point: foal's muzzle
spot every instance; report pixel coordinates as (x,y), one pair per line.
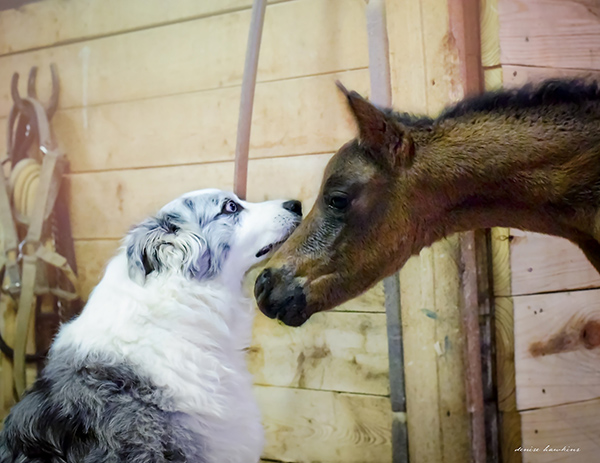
(279,295)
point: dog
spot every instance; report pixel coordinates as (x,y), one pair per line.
(154,369)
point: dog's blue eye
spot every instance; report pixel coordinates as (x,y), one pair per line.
(230,207)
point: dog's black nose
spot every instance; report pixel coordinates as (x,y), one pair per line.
(293,206)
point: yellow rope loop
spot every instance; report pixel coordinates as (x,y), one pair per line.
(23,183)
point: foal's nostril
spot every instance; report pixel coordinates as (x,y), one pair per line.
(293,206)
(263,283)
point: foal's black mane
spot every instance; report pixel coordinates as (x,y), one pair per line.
(548,93)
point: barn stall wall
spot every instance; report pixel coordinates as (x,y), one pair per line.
(547,301)
(148,110)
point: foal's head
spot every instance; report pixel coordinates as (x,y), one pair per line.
(354,234)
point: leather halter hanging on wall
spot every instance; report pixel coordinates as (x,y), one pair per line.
(35,274)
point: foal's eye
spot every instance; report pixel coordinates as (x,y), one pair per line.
(338,201)
(230,207)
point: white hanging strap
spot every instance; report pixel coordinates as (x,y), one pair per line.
(247,98)
(381,95)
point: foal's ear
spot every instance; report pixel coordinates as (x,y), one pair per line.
(385,137)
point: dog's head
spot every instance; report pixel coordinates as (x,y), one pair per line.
(208,233)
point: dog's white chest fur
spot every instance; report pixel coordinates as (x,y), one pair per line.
(189,340)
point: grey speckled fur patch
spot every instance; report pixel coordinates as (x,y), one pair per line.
(95,410)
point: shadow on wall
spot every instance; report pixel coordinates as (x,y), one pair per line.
(8,4)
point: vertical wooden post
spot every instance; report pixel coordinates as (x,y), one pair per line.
(509,419)
(435,60)
(464,19)
(381,94)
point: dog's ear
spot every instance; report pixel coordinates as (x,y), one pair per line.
(162,243)
(149,246)
(141,244)
(387,139)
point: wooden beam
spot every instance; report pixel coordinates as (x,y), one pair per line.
(557,348)
(106,204)
(200,127)
(464,18)
(492,78)
(490,34)
(304,426)
(426,76)
(501,265)
(543,263)
(54,22)
(335,352)
(300,38)
(552,34)
(567,433)
(516,76)
(510,419)
(92,257)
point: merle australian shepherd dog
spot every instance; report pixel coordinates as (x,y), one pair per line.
(154,368)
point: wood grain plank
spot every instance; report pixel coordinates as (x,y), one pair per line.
(501,261)
(433,347)
(510,429)
(557,348)
(542,263)
(508,418)
(106,204)
(516,76)
(92,257)
(425,69)
(490,34)
(313,426)
(505,354)
(493,78)
(291,117)
(53,22)
(371,301)
(297,177)
(560,34)
(573,430)
(344,352)
(300,38)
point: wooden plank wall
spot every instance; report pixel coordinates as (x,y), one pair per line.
(148,110)
(547,301)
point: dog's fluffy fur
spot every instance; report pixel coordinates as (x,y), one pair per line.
(154,368)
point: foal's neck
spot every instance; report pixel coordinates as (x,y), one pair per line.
(480,177)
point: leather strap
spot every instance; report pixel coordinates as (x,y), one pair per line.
(7,388)
(61,263)
(52,170)
(53,167)
(12,283)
